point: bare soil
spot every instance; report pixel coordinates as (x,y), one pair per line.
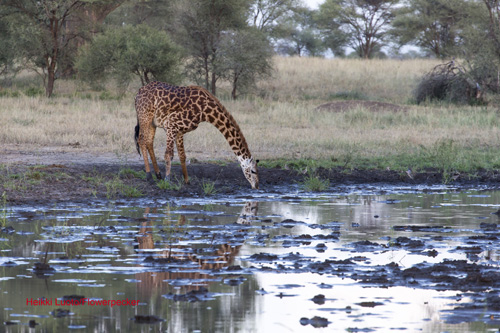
(56,174)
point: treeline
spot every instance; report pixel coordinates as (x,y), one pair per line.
(210,41)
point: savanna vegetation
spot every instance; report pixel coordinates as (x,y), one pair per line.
(70,70)
(281,120)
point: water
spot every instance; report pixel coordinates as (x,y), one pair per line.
(282,264)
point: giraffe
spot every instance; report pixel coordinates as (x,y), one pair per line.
(179,110)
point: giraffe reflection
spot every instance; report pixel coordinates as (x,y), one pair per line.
(214,258)
(248,213)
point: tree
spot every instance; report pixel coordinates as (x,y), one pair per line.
(434,25)
(44,31)
(269,16)
(334,38)
(246,56)
(122,52)
(40,35)
(155,13)
(364,22)
(200,27)
(302,36)
(7,53)
(480,46)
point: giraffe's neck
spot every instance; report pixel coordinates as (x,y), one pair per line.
(226,124)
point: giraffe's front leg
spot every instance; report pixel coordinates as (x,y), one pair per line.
(169,153)
(182,156)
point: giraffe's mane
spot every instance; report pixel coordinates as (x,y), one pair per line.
(226,113)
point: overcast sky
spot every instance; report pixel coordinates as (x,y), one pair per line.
(314,4)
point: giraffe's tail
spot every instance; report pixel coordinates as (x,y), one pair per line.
(136,138)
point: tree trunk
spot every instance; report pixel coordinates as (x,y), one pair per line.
(51,78)
(235,87)
(213,87)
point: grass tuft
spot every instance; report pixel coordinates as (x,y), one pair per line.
(208,188)
(313,183)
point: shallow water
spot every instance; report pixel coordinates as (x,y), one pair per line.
(269,263)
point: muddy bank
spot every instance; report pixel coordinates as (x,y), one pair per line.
(55,182)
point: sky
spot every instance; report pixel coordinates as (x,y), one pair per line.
(314,4)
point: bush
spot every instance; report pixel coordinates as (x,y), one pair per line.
(133,50)
(449,82)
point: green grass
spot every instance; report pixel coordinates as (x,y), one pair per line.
(116,187)
(171,185)
(313,183)
(208,188)
(129,173)
(3,210)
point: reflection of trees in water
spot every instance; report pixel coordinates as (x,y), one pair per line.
(233,307)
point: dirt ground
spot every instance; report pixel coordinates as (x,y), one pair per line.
(57,174)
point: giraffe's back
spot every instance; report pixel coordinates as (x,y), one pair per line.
(161,103)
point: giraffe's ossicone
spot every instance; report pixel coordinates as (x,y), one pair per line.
(179,110)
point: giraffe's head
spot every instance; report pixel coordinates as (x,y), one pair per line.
(249,167)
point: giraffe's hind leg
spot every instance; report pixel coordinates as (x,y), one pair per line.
(169,152)
(182,156)
(146,140)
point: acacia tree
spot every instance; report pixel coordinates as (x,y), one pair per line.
(199,28)
(246,57)
(434,25)
(481,46)
(268,16)
(364,22)
(122,52)
(45,30)
(40,35)
(155,13)
(303,36)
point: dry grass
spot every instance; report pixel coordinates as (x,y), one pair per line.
(280,121)
(325,79)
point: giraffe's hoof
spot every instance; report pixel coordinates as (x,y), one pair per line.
(159,176)
(149,177)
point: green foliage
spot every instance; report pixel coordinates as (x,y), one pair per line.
(33,91)
(208,187)
(246,56)
(41,36)
(313,183)
(3,211)
(116,187)
(200,27)
(129,173)
(121,53)
(364,23)
(300,34)
(7,51)
(434,25)
(171,185)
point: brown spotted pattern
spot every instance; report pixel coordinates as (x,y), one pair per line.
(179,110)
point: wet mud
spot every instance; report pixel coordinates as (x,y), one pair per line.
(55,183)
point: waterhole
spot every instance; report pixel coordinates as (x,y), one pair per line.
(369,260)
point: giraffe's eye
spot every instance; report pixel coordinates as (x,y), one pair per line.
(254,172)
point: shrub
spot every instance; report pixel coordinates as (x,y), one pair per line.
(451,83)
